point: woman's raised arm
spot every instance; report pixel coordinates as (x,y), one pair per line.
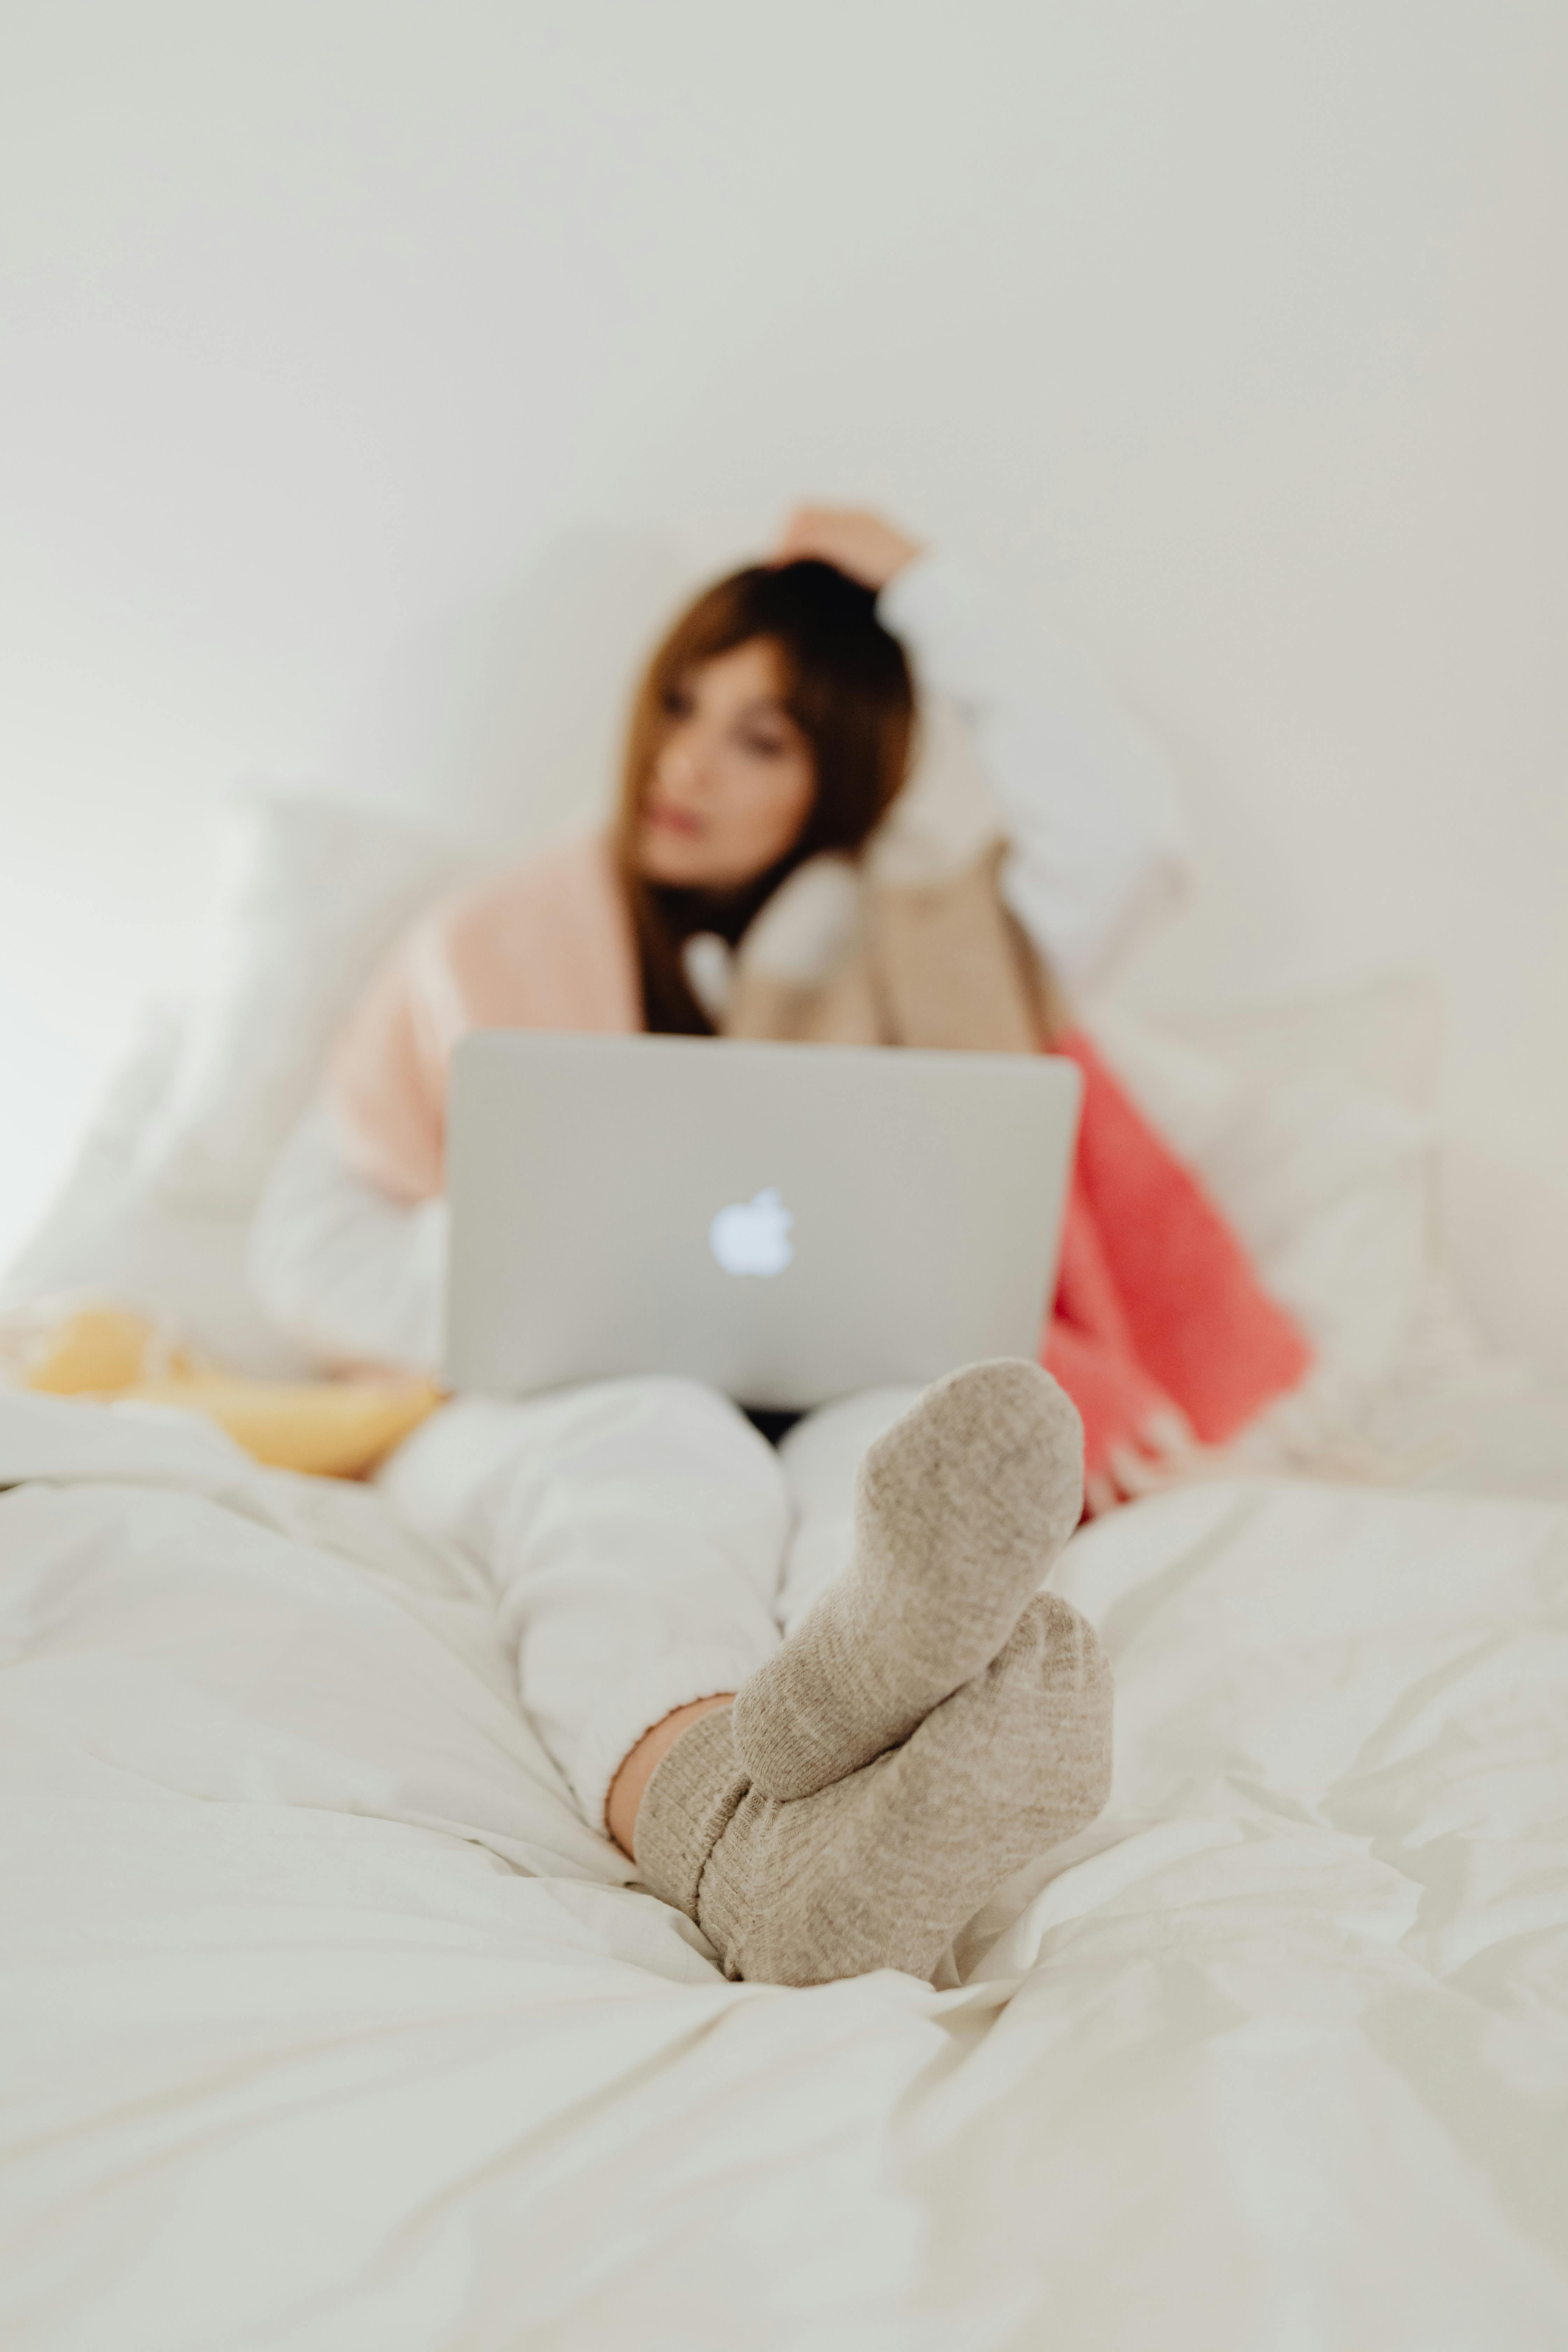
(1088,800)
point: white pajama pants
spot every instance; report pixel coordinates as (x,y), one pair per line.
(645,1545)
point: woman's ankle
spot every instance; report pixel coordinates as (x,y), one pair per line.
(639,1764)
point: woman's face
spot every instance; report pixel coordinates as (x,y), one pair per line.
(733,780)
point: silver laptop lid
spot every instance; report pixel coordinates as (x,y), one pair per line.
(785,1223)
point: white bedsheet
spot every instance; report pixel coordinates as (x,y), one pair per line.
(328,2025)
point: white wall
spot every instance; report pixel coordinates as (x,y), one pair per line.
(333,331)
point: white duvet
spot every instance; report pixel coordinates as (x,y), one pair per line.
(328,2025)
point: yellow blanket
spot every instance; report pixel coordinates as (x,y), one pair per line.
(337,1429)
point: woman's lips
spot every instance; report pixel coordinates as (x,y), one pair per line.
(673,820)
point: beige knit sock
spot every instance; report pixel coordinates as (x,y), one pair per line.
(882,1868)
(960,1508)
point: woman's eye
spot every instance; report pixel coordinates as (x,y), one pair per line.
(767,747)
(675,702)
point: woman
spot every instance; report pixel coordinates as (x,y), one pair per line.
(845,1797)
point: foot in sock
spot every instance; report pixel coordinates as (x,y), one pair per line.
(960,1508)
(881,1869)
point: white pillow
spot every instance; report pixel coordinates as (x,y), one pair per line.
(312,895)
(156,1210)
(108,1235)
(1309,1123)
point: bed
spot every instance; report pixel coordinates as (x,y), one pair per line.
(330,2024)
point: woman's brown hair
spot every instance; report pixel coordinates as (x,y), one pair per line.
(847,688)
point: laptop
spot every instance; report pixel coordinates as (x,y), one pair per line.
(784,1222)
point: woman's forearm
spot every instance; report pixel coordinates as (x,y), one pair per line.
(356,1277)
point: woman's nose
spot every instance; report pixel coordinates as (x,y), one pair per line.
(681,762)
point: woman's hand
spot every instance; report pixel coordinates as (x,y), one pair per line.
(1164,1452)
(863,544)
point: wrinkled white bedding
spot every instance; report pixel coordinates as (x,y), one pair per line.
(328,2025)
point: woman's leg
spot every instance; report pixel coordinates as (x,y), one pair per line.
(819,1458)
(880,1870)
(633,1532)
(929,1724)
(957,1508)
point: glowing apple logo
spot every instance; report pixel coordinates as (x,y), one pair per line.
(753,1236)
